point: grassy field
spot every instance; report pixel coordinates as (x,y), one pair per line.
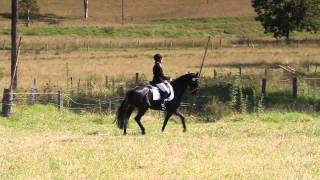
(50,66)
(227,26)
(41,142)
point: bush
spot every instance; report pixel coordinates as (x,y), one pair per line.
(216,110)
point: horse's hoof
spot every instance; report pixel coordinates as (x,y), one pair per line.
(143,133)
(184,130)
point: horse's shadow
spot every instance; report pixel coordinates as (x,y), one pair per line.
(111,133)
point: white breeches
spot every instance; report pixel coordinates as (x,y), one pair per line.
(163,87)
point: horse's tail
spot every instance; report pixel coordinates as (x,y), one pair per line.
(124,112)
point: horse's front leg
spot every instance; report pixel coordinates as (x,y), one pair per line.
(168,115)
(182,120)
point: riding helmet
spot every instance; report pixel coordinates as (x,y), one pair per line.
(157,57)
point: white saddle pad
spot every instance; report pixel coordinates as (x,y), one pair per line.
(156,93)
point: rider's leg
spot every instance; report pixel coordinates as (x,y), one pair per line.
(164,93)
(163,98)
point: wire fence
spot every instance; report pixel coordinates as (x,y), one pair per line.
(107,96)
(66,101)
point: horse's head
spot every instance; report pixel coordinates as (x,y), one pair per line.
(190,79)
(193,82)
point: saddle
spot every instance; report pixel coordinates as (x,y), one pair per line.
(156,92)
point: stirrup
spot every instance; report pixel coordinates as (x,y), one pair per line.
(163,106)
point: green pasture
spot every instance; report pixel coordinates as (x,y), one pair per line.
(229,27)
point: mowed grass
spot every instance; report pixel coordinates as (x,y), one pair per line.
(41,142)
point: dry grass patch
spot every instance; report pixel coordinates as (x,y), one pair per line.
(51,66)
(102,11)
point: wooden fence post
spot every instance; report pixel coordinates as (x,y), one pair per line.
(109,106)
(60,99)
(106,81)
(137,78)
(7,103)
(215,74)
(67,73)
(100,106)
(71,85)
(34,92)
(295,87)
(78,86)
(264,87)
(240,71)
(265,72)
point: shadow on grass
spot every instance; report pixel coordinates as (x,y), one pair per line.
(46,18)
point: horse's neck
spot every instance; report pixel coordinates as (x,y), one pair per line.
(179,89)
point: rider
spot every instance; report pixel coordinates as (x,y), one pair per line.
(159,79)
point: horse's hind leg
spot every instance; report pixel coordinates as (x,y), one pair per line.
(125,128)
(128,114)
(182,120)
(166,119)
(141,112)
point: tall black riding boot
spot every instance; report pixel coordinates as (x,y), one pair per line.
(163,95)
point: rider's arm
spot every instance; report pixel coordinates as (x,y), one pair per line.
(160,71)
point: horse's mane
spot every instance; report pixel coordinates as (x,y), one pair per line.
(182,78)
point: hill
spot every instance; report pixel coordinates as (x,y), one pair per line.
(110,10)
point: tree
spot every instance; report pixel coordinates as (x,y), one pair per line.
(28,8)
(281,17)
(14,38)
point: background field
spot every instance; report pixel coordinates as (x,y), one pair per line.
(110,11)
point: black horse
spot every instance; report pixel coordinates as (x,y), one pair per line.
(141,97)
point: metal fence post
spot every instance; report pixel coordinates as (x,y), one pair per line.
(60,99)
(295,87)
(34,92)
(7,103)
